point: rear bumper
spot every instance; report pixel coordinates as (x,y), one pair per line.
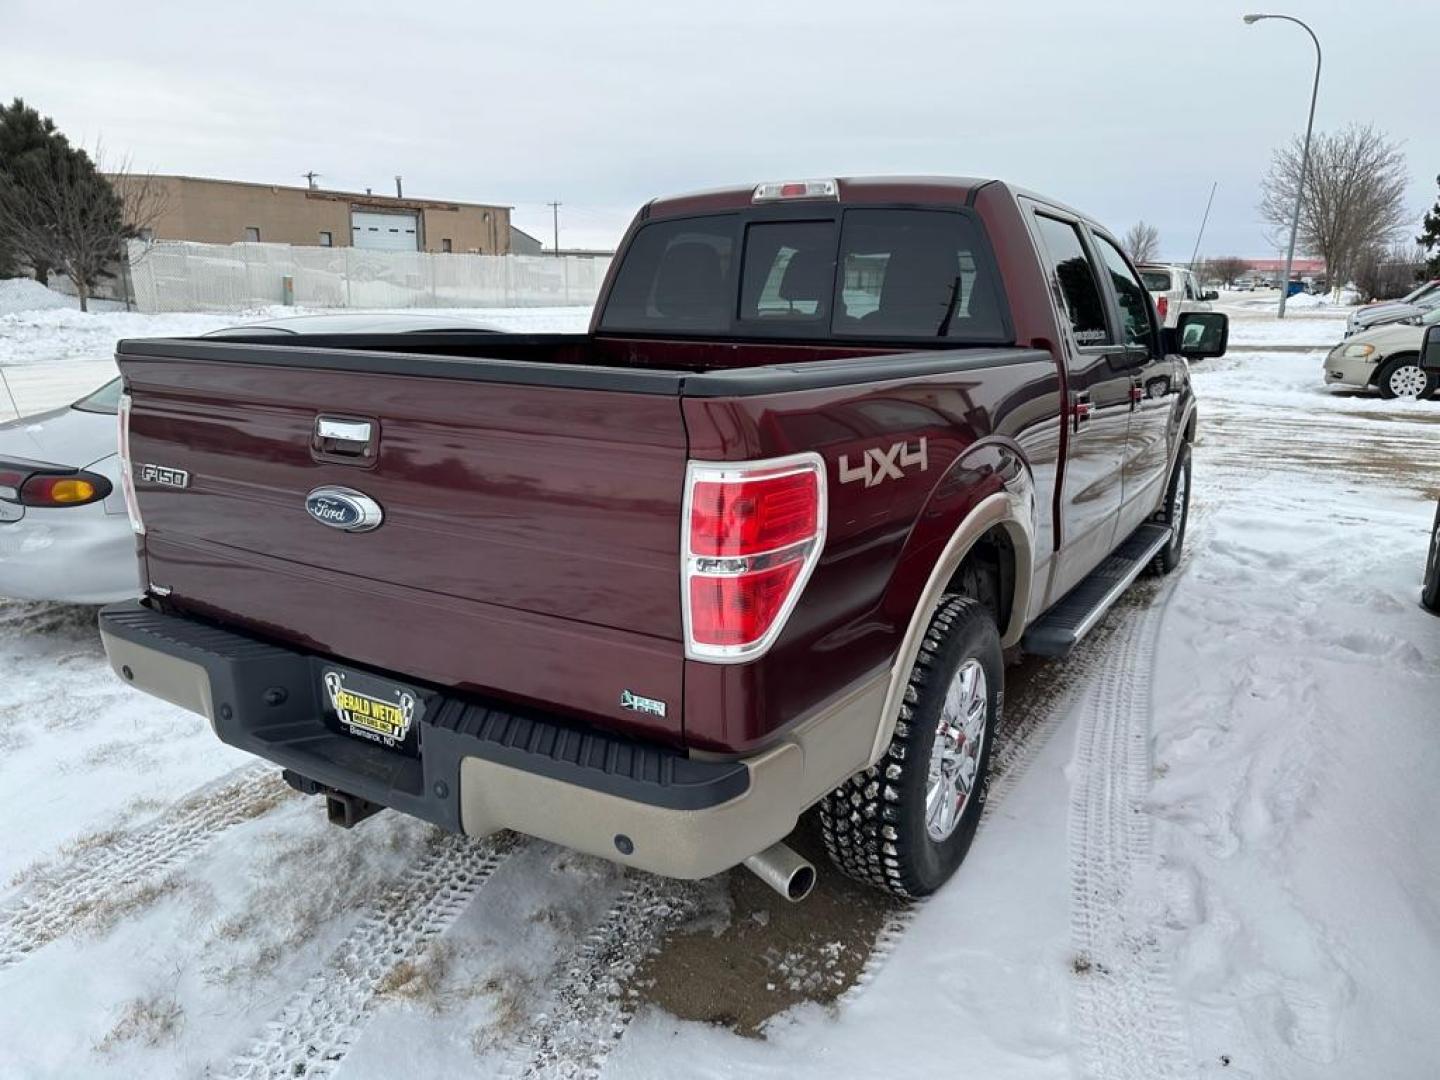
(483,767)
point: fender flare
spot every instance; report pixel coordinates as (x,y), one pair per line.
(1009,509)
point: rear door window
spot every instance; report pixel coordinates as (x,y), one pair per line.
(676,276)
(1079,283)
(916,274)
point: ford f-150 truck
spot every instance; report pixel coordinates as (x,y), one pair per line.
(760,541)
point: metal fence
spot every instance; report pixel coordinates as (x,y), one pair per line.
(185,276)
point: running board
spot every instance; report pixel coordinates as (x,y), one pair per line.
(1059,630)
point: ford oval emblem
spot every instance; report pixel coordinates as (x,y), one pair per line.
(344,508)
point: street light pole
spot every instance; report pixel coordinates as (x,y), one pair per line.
(1304,154)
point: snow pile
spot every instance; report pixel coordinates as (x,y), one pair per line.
(27,294)
(1306,300)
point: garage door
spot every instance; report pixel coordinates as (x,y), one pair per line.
(387,232)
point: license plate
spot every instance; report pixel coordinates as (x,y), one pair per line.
(371,708)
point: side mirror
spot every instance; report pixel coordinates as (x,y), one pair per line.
(1430,349)
(1211,295)
(1201,334)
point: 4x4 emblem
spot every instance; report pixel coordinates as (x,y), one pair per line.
(878,465)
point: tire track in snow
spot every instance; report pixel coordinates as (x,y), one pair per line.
(316,1028)
(1126,1013)
(591,1006)
(81,892)
(1023,734)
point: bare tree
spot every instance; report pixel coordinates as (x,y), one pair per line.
(1353,200)
(1142,242)
(64,205)
(1382,274)
(1226,269)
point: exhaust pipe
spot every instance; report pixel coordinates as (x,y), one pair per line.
(783,870)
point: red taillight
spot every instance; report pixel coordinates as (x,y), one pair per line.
(127,468)
(753,534)
(730,611)
(11,480)
(748,517)
(1162,305)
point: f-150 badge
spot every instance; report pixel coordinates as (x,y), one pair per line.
(878,465)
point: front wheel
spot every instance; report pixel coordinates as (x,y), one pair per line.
(1430,591)
(1403,377)
(1175,513)
(905,823)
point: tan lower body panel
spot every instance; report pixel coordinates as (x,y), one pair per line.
(180,682)
(784,780)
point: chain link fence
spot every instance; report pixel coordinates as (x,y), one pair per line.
(186,276)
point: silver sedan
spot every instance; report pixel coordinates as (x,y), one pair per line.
(64,532)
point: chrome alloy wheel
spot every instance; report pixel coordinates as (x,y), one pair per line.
(1408,381)
(955,757)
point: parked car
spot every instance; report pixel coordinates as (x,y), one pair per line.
(1386,359)
(1411,306)
(64,534)
(760,541)
(1430,587)
(1175,290)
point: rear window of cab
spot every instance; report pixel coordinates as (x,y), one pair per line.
(860,274)
(1156,280)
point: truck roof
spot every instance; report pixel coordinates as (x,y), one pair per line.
(853,189)
(924,190)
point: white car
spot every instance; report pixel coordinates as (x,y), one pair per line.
(64,532)
(1175,290)
(1386,359)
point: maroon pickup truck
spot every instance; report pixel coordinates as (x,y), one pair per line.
(760,541)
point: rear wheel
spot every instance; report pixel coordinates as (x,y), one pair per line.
(1430,591)
(1175,513)
(1403,377)
(905,823)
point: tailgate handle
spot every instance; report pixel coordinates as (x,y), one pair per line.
(339,438)
(352,431)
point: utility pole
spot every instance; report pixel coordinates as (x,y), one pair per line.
(1198,236)
(311,177)
(555,212)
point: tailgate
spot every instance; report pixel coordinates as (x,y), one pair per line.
(529,541)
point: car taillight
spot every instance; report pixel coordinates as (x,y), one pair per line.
(796,189)
(753,533)
(1162,305)
(71,489)
(11,480)
(127,472)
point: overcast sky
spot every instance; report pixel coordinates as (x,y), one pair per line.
(1126,109)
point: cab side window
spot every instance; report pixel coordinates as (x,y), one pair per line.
(1134,300)
(1079,285)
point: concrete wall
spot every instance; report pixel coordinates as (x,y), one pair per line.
(185,276)
(219,212)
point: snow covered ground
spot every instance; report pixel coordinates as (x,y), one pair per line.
(1209,850)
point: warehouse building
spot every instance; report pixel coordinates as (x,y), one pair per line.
(229,211)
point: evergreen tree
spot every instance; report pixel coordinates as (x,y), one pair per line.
(1429,237)
(28,141)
